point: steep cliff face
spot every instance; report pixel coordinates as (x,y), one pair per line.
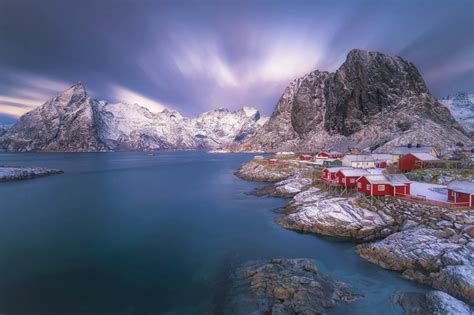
(372,101)
(67,122)
(75,122)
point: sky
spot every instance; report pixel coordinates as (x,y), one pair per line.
(194,56)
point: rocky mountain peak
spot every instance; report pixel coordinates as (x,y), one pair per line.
(75,94)
(373,100)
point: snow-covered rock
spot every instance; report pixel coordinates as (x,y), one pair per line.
(73,121)
(461,107)
(19,173)
(433,302)
(318,212)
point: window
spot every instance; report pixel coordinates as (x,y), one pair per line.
(359,185)
(453,193)
(381,187)
(368,186)
(344,180)
(352,180)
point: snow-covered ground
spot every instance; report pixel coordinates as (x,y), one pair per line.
(429,191)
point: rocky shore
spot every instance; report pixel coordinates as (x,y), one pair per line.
(433,302)
(261,171)
(427,244)
(284,286)
(19,173)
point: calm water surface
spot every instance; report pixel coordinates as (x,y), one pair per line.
(131,233)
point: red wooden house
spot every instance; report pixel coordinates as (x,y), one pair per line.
(413,161)
(305,157)
(272,161)
(461,192)
(383,185)
(348,177)
(329,175)
(329,155)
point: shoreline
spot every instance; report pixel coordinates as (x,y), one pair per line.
(384,234)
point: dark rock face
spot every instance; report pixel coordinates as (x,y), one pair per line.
(365,85)
(284,286)
(372,100)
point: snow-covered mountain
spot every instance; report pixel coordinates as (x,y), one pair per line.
(372,101)
(461,107)
(73,121)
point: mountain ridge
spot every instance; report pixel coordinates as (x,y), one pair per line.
(75,122)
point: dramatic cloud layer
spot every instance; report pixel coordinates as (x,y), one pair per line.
(198,55)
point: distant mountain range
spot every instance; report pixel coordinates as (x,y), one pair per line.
(461,107)
(75,122)
(372,101)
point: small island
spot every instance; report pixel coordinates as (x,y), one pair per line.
(10,173)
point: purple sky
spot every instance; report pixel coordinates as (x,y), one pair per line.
(198,55)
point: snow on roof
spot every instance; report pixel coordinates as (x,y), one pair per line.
(424,157)
(415,149)
(394,180)
(382,156)
(462,186)
(330,152)
(354,172)
(377,179)
(375,170)
(398,179)
(358,158)
(338,168)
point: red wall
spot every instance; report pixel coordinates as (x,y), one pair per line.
(374,188)
(460,197)
(348,183)
(407,162)
(402,190)
(322,155)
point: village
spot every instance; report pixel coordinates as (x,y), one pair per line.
(379,175)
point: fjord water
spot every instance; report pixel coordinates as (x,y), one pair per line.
(134,233)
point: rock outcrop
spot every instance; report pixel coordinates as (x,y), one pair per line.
(284,286)
(76,122)
(433,302)
(261,171)
(372,101)
(18,173)
(318,212)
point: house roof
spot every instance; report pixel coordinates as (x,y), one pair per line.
(415,149)
(377,179)
(354,172)
(424,157)
(394,180)
(337,168)
(398,179)
(462,186)
(382,156)
(331,152)
(358,158)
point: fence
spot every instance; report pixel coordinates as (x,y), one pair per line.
(434,202)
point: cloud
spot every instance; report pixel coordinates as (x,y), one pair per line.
(125,95)
(26,91)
